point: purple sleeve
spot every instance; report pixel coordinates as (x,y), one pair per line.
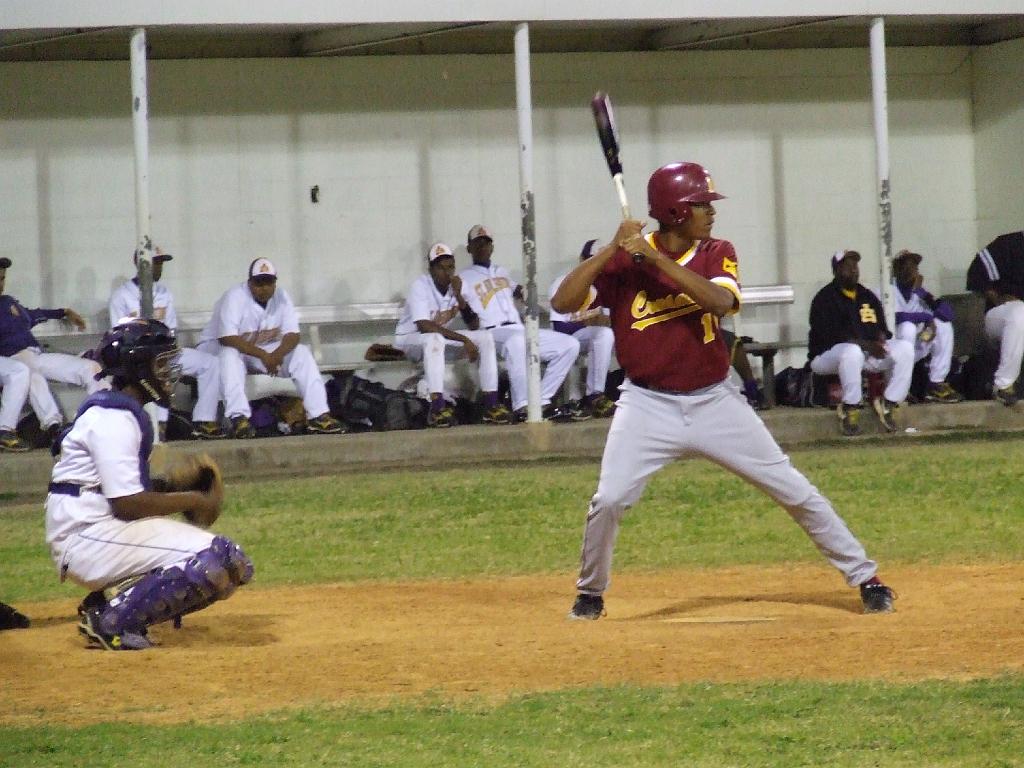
(914,317)
(944,311)
(38,316)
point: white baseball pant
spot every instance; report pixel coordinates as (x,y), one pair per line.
(298,365)
(433,350)
(850,361)
(56,366)
(650,429)
(558,350)
(598,342)
(1004,328)
(940,347)
(14,379)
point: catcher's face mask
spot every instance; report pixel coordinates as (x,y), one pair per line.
(166,371)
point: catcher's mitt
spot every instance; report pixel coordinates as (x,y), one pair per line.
(198,473)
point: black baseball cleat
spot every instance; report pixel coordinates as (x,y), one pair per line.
(1007,395)
(242,428)
(849,419)
(886,410)
(587,608)
(325,424)
(12,618)
(10,442)
(877,598)
(208,430)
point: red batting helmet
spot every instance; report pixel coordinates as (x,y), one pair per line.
(673,187)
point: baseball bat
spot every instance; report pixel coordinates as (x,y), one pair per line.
(608,134)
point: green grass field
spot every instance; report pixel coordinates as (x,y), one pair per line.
(911,502)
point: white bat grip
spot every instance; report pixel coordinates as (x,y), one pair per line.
(621,190)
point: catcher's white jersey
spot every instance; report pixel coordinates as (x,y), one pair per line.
(126,301)
(488,291)
(425,302)
(236,313)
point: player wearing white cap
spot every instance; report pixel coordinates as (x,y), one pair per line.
(125,301)
(432,302)
(491,293)
(255,329)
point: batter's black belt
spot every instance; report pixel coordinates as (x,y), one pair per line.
(499,325)
(72,489)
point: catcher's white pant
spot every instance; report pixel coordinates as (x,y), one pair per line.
(1004,327)
(433,350)
(56,366)
(110,550)
(598,342)
(850,361)
(558,350)
(298,365)
(940,347)
(14,379)
(650,429)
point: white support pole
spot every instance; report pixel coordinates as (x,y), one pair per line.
(880,101)
(140,130)
(527,224)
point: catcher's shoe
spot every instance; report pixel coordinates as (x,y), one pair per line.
(12,618)
(499,414)
(242,428)
(877,597)
(886,410)
(587,608)
(849,419)
(942,393)
(208,430)
(90,627)
(325,424)
(11,443)
(1007,395)
(440,419)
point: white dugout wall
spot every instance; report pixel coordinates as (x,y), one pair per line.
(408,150)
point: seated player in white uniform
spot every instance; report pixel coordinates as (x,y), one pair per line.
(107,523)
(125,302)
(18,343)
(432,302)
(255,329)
(491,293)
(590,325)
(925,322)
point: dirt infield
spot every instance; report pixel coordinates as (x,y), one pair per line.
(279,648)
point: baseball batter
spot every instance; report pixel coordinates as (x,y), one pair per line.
(591,327)
(125,302)
(677,400)
(433,301)
(491,293)
(255,329)
(17,342)
(107,527)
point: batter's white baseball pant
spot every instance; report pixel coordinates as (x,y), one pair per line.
(298,365)
(558,350)
(598,342)
(56,366)
(14,378)
(650,429)
(433,350)
(850,361)
(1004,328)
(940,347)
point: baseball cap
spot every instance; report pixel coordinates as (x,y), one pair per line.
(5,263)
(906,255)
(438,251)
(479,230)
(262,268)
(844,254)
(154,257)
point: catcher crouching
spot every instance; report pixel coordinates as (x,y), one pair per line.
(108,524)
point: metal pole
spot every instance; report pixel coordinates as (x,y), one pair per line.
(526,214)
(879,98)
(140,129)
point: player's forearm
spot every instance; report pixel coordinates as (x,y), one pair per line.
(154,504)
(712,297)
(429,326)
(288,343)
(575,288)
(243,346)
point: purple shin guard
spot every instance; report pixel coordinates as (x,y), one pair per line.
(167,593)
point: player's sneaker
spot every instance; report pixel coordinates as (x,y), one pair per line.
(441,419)
(942,393)
(579,411)
(1007,395)
(877,597)
(11,443)
(499,414)
(208,430)
(12,618)
(886,410)
(242,428)
(849,419)
(90,627)
(324,424)
(587,608)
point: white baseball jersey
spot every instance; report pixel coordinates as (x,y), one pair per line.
(126,301)
(488,290)
(425,302)
(236,313)
(588,309)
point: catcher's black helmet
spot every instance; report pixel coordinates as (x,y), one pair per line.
(141,352)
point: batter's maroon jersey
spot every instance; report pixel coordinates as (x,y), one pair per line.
(662,338)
